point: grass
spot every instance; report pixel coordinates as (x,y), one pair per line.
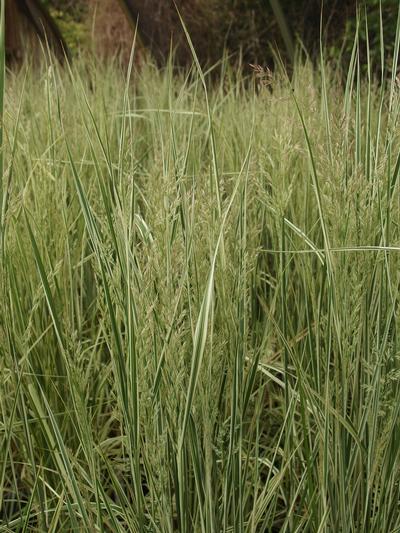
(198,328)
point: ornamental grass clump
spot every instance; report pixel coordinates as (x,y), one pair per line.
(200,280)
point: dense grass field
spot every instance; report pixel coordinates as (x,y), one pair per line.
(200,287)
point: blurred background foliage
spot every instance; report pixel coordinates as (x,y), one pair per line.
(71,18)
(250,29)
